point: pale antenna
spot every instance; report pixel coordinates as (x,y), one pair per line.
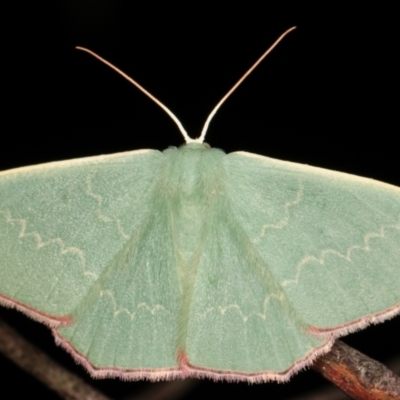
(185,135)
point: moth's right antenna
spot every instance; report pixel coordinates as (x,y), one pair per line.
(215,109)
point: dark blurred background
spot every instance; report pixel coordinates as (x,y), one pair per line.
(325,97)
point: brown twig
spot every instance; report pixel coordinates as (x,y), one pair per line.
(357,375)
(33,360)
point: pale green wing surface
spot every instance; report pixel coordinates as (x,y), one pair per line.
(330,240)
(241,323)
(73,232)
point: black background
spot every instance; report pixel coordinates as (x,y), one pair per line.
(325,97)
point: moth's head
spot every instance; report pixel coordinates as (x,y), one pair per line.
(192,148)
(196,145)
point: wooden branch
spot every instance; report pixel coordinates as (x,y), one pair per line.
(42,367)
(357,375)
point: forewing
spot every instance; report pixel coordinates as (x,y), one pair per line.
(86,242)
(330,240)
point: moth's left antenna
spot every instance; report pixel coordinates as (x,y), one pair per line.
(148,94)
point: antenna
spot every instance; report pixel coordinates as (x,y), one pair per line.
(185,135)
(141,88)
(235,86)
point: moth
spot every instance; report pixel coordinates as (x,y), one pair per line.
(194,262)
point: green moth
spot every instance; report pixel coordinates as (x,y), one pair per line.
(193,262)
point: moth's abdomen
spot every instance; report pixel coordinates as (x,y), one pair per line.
(191,184)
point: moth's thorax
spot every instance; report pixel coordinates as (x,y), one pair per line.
(192,179)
